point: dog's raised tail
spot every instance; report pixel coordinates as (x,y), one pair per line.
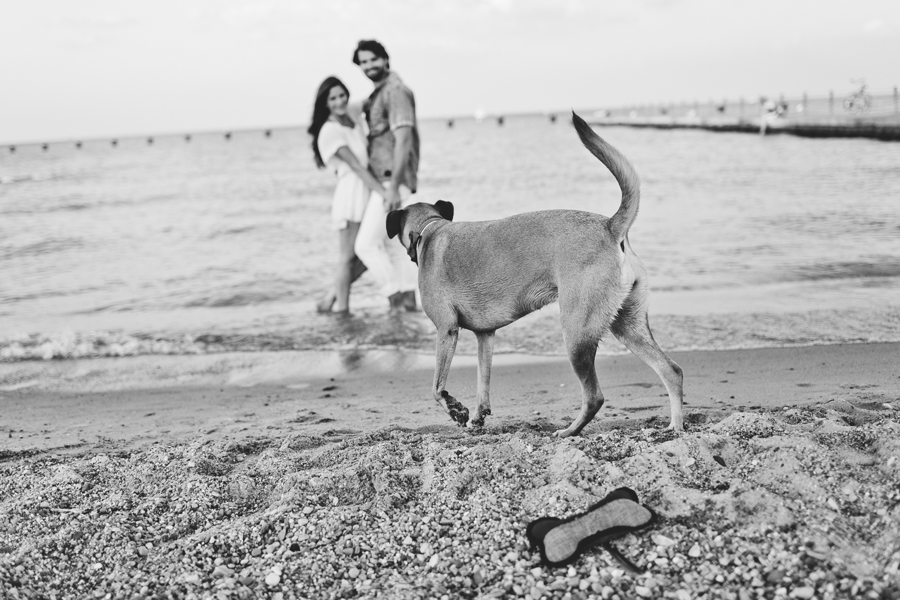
(629,183)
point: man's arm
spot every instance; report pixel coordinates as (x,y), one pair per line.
(402,148)
(346,155)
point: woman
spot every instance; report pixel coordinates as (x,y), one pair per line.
(339,143)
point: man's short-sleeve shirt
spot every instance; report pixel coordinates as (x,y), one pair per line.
(391,106)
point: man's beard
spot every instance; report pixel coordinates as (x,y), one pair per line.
(377,74)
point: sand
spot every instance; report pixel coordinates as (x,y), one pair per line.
(128,401)
(236,467)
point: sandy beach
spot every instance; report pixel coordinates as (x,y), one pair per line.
(326,475)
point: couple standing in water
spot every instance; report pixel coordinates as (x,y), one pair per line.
(373,149)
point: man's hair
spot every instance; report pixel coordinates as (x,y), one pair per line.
(372,46)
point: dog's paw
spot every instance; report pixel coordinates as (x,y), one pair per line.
(478,419)
(676,427)
(562,433)
(460,415)
(457,411)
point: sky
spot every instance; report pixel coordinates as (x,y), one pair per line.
(94,68)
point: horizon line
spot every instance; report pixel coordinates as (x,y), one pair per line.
(491,114)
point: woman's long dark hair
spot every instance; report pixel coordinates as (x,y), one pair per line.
(321,114)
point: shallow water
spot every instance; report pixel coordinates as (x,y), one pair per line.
(218,245)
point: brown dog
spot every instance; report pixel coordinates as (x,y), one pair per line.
(484,275)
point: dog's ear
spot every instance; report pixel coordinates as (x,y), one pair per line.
(445,209)
(394,223)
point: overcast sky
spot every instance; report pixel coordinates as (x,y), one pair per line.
(93,68)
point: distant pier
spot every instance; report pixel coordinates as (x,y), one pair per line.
(859,114)
(148,140)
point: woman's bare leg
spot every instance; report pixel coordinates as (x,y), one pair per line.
(348,270)
(356,269)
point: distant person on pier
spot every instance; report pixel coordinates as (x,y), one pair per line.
(768,114)
(339,143)
(394,159)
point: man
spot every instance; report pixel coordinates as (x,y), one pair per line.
(394,158)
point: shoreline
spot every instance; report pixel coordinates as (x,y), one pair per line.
(137,400)
(776,315)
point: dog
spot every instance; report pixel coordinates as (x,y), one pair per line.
(485,275)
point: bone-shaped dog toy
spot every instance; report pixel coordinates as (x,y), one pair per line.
(561,541)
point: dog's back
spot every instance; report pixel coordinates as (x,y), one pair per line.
(520,264)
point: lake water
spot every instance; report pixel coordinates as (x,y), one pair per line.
(214,245)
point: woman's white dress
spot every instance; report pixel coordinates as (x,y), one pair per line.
(350,194)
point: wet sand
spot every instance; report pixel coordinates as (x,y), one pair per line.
(142,399)
(129,401)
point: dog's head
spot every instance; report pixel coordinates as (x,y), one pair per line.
(409,222)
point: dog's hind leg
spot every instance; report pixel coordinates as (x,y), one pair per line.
(582,351)
(445,346)
(485,355)
(632,328)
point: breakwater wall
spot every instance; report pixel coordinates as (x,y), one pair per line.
(857,114)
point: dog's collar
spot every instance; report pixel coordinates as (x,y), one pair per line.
(427,225)
(415,238)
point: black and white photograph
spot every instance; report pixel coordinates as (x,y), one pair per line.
(471,299)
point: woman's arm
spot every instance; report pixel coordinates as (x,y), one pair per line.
(355,110)
(346,155)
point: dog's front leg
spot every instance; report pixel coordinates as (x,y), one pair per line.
(485,355)
(445,347)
